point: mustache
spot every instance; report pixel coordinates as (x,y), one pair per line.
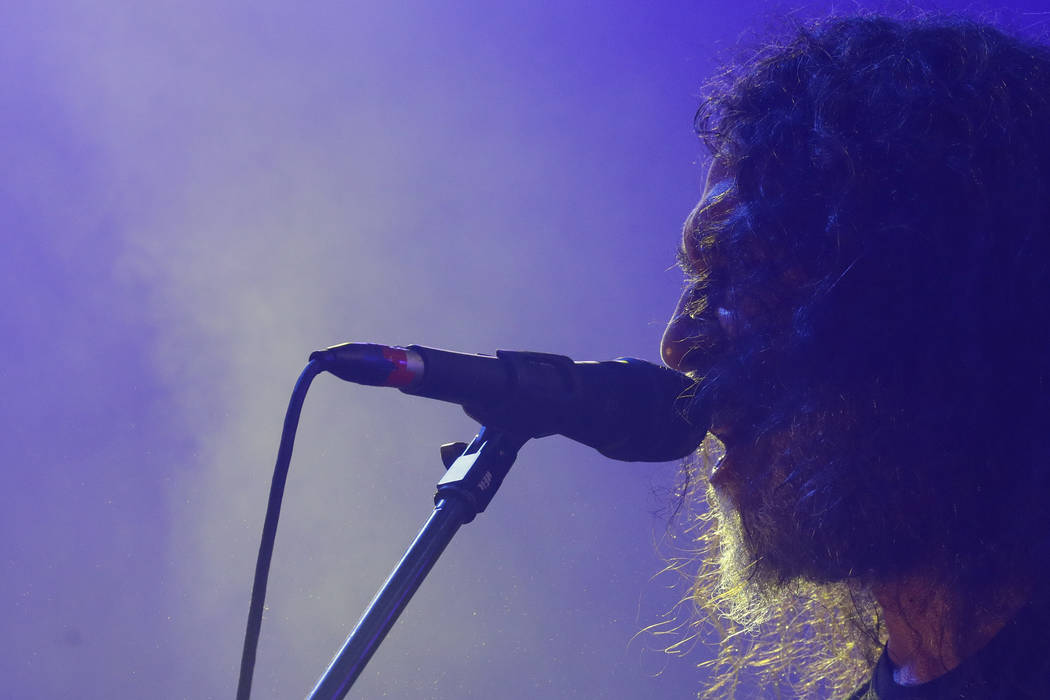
(738,394)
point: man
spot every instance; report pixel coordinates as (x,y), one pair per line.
(868,311)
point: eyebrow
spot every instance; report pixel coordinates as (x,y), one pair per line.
(718,188)
(695,270)
(691,265)
(682,257)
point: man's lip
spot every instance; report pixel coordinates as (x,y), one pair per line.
(722,430)
(711,454)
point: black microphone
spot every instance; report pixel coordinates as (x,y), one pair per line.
(627,409)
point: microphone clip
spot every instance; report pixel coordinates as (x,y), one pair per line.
(477,473)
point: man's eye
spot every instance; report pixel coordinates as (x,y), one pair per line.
(729,321)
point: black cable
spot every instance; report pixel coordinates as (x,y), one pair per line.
(269,533)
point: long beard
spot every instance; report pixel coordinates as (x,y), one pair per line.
(742,592)
(776,535)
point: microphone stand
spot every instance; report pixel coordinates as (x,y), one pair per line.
(474,474)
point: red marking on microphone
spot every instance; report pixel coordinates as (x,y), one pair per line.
(401,375)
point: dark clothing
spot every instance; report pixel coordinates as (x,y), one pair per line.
(1014,664)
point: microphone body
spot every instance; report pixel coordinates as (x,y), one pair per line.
(627,409)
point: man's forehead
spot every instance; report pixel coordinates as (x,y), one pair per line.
(717,171)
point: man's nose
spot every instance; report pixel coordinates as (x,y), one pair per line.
(687,341)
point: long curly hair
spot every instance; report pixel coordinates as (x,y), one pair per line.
(889,247)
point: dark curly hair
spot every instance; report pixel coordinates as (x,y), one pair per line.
(889,249)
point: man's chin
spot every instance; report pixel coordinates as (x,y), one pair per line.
(745,590)
(761,547)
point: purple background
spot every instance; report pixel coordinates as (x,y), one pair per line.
(196,194)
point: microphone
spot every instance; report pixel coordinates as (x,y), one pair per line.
(627,409)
